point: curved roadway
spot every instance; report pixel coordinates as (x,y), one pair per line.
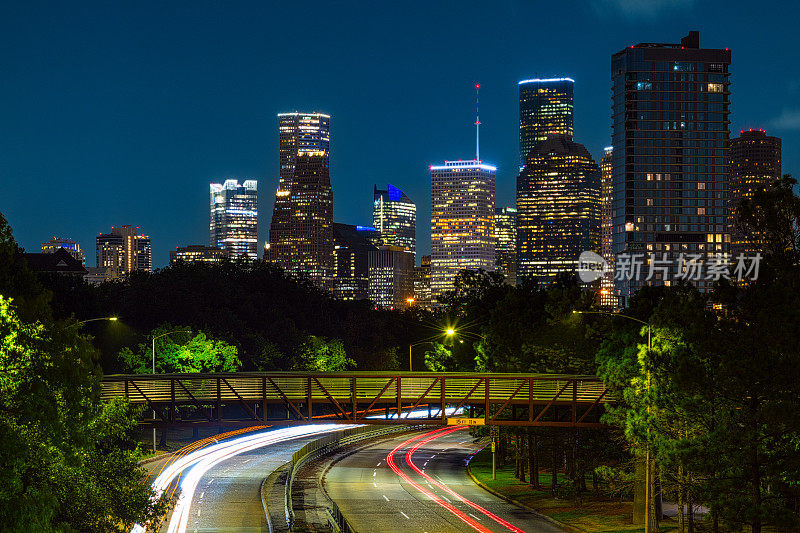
(379,491)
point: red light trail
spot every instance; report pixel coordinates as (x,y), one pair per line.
(424,439)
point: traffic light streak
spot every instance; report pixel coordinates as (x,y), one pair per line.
(424,439)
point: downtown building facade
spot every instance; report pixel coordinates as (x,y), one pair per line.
(198,253)
(301,231)
(558,208)
(234,218)
(462,221)
(391,277)
(74,249)
(394,215)
(545,106)
(122,251)
(505,247)
(755,164)
(422,283)
(351,248)
(608,297)
(670,131)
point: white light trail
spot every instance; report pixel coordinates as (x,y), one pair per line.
(201,461)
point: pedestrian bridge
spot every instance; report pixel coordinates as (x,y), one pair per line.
(247,398)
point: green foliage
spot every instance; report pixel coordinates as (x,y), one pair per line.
(67,461)
(177,351)
(440,358)
(318,354)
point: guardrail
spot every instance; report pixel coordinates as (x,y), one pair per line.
(323,446)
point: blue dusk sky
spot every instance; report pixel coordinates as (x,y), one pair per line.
(122,112)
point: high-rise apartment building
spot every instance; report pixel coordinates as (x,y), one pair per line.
(394,215)
(197,253)
(505,246)
(301,231)
(545,107)
(234,218)
(351,246)
(670,137)
(462,221)
(122,251)
(69,245)
(558,208)
(391,277)
(755,164)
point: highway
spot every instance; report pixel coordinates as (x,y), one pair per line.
(419,483)
(220,482)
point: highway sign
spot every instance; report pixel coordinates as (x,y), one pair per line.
(466,421)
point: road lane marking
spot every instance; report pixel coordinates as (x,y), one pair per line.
(404,514)
(473,516)
(379,463)
(374,484)
(202,494)
(385,498)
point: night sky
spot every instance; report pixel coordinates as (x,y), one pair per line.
(122,112)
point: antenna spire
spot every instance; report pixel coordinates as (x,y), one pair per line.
(477,124)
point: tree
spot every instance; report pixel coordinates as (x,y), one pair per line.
(318,354)
(180,352)
(67,461)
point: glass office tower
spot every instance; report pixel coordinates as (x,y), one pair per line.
(234,218)
(462,221)
(301,231)
(670,136)
(545,106)
(558,208)
(394,215)
(74,249)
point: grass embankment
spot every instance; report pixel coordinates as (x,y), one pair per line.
(592,514)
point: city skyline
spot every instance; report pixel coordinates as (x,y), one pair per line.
(113,168)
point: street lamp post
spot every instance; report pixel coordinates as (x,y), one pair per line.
(649,497)
(154,371)
(449,332)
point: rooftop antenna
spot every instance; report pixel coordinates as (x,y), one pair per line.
(477,124)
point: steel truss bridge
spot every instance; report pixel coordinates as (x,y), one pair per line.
(250,398)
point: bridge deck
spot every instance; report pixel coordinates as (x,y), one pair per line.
(518,399)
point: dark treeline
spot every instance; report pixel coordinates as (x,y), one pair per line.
(254,306)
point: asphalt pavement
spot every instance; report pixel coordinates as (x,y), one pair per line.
(376,499)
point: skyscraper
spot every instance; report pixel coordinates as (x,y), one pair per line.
(545,106)
(122,251)
(755,163)
(558,208)
(69,245)
(394,215)
(462,221)
(234,218)
(391,277)
(607,292)
(301,232)
(462,217)
(670,135)
(422,283)
(351,246)
(505,246)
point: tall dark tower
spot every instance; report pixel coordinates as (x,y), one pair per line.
(301,232)
(545,106)
(670,136)
(755,164)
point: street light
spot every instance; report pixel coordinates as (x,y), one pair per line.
(649,500)
(449,332)
(154,371)
(110,318)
